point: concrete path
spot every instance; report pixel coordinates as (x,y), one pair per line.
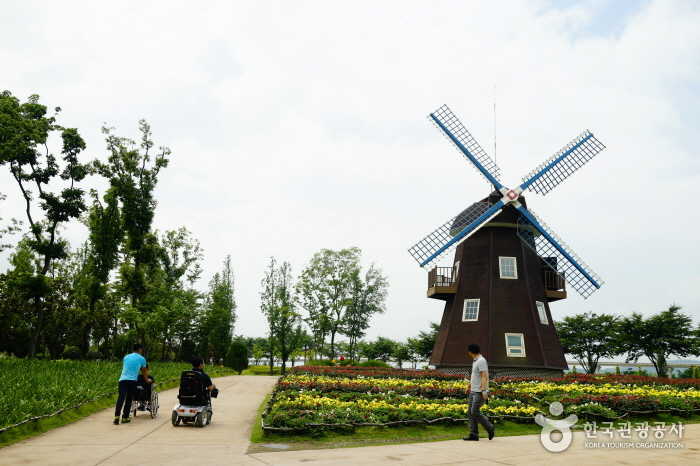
(95,441)
(518,450)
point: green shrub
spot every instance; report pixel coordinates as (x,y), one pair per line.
(374,363)
(237,356)
(347,362)
(71,352)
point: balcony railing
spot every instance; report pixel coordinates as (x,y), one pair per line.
(554,281)
(441,277)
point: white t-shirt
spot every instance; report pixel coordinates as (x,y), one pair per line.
(478,366)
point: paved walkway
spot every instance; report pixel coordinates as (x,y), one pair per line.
(518,450)
(95,441)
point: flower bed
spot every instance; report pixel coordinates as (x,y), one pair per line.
(320,397)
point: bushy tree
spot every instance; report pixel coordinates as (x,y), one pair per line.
(25,150)
(237,356)
(668,333)
(422,345)
(589,337)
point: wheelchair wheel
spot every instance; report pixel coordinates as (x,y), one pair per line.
(175,419)
(154,404)
(199,420)
(134,408)
(209,415)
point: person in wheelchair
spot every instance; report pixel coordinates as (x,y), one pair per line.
(143,389)
(195,394)
(198,366)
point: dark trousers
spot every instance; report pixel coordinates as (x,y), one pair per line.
(475,416)
(127,389)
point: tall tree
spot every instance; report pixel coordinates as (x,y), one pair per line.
(132,171)
(312,299)
(589,337)
(270,307)
(668,333)
(102,256)
(24,148)
(288,332)
(368,295)
(328,279)
(220,313)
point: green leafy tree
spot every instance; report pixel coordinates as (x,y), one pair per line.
(382,348)
(220,314)
(48,186)
(132,171)
(668,333)
(368,295)
(237,356)
(422,345)
(589,337)
(285,334)
(269,305)
(401,353)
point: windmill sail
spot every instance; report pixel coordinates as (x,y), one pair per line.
(425,249)
(550,173)
(462,139)
(537,236)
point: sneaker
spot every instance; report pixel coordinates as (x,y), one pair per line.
(126,420)
(492,433)
(116,420)
(471,438)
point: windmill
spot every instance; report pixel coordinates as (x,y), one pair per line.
(508,265)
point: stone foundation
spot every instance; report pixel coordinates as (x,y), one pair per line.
(506,371)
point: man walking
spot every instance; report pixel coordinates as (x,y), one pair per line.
(479,393)
(134,363)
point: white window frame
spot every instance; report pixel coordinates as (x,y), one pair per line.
(542,311)
(515,267)
(464,309)
(510,347)
(456,271)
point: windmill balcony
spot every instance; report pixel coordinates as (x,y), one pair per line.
(442,283)
(554,285)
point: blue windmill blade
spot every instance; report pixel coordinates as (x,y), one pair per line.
(563,164)
(462,139)
(556,254)
(448,235)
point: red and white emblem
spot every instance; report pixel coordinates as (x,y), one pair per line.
(512,195)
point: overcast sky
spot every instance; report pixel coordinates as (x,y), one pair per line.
(297,126)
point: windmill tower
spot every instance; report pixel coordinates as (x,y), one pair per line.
(508,266)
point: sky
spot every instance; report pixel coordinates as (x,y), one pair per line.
(296,126)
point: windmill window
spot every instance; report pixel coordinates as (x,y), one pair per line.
(508,267)
(470,312)
(542,312)
(515,345)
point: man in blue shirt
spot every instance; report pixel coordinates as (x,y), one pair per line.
(134,363)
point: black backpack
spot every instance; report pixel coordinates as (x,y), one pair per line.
(192,389)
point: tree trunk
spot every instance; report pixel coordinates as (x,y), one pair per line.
(284,366)
(661,367)
(332,355)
